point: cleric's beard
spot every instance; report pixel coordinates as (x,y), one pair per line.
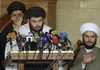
(89,47)
(33,29)
(39,29)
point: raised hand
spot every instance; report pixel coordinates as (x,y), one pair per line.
(88,57)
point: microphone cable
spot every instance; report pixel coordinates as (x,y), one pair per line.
(60,57)
(50,66)
(28,43)
(55,40)
(52,56)
(66,62)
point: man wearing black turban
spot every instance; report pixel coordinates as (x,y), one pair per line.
(35,16)
(16,12)
(16,6)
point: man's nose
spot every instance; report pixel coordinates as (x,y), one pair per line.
(89,38)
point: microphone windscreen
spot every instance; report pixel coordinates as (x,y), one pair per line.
(21,40)
(36,36)
(55,39)
(41,34)
(29,37)
(63,35)
(54,32)
(12,35)
(50,30)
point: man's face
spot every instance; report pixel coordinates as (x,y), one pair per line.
(89,39)
(36,23)
(16,15)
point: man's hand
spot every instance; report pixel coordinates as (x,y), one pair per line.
(88,57)
(17,21)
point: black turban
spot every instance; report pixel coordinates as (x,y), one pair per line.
(35,11)
(16,6)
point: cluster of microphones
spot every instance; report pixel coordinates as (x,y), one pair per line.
(45,41)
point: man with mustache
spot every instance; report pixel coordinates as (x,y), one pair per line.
(35,16)
(89,56)
(16,11)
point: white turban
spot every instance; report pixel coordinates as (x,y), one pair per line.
(89,27)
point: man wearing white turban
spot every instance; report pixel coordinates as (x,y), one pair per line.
(89,56)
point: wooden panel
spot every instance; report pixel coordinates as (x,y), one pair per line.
(32,57)
(36,55)
(4,21)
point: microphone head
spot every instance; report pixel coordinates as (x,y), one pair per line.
(55,39)
(53,32)
(50,31)
(29,37)
(29,34)
(41,34)
(12,35)
(21,41)
(43,40)
(63,35)
(48,36)
(36,36)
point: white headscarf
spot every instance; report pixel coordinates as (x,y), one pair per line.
(89,26)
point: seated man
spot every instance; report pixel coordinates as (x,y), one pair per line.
(35,16)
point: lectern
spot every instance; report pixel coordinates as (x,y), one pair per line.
(38,57)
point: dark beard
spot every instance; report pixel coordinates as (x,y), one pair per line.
(41,28)
(89,47)
(33,30)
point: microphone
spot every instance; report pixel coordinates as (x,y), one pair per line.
(29,39)
(49,40)
(21,42)
(55,38)
(11,37)
(42,41)
(36,37)
(49,43)
(53,32)
(65,40)
(63,35)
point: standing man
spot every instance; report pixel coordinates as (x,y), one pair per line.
(16,12)
(35,16)
(89,56)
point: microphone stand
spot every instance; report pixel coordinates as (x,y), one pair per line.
(10,43)
(29,43)
(40,50)
(28,47)
(49,49)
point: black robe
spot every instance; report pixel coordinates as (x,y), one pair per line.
(9,28)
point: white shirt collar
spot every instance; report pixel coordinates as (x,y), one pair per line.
(88,50)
